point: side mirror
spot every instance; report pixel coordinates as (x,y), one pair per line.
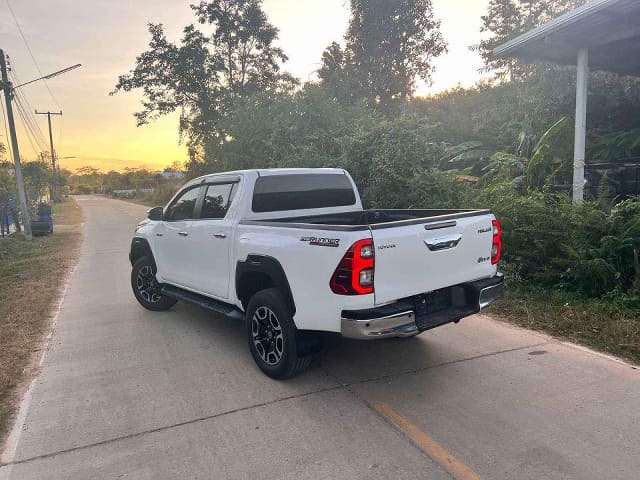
(156,213)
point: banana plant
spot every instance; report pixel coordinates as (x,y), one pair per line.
(551,158)
(616,146)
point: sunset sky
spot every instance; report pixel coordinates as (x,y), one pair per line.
(106,36)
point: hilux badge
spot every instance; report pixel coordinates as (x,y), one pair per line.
(321,242)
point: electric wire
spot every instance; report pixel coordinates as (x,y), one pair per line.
(36,144)
(6,131)
(26,43)
(25,110)
(29,123)
(29,131)
(32,124)
(27,127)
(29,136)
(25,101)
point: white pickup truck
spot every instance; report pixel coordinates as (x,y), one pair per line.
(292,252)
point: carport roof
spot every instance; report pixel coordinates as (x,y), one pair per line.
(610,29)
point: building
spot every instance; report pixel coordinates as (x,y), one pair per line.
(600,35)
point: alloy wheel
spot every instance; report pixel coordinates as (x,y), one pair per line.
(147,284)
(267,335)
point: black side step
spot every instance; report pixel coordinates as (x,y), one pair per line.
(203,302)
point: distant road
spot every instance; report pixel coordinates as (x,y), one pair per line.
(127,393)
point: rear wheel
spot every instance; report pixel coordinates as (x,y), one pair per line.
(146,288)
(273,337)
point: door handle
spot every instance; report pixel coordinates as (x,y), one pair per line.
(159,234)
(220,235)
(443,243)
(183,234)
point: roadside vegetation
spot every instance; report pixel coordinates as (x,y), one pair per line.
(32,276)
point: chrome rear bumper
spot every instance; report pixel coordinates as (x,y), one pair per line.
(489,295)
(401,324)
(399,319)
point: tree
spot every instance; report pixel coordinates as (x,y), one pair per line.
(389,45)
(175,166)
(7,184)
(338,74)
(304,129)
(37,177)
(505,20)
(205,75)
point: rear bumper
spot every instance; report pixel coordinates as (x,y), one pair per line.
(413,315)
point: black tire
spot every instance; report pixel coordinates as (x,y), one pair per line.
(146,288)
(276,353)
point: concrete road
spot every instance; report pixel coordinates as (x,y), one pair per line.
(127,393)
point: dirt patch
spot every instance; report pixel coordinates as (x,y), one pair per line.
(32,277)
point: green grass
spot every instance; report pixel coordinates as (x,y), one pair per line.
(32,275)
(605,325)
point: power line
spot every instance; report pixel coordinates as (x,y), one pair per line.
(26,43)
(6,131)
(31,123)
(29,119)
(25,110)
(29,133)
(28,129)
(29,137)
(32,129)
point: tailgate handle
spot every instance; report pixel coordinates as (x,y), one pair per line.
(443,243)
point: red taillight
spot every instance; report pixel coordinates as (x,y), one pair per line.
(496,248)
(354,275)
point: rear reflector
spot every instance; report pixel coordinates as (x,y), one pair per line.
(355,272)
(496,248)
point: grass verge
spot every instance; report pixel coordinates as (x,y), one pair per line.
(600,325)
(32,275)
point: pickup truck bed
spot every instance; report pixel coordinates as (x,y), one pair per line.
(369,219)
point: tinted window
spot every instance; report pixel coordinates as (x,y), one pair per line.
(184,206)
(217,200)
(275,193)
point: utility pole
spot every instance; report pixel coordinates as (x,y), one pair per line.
(56,195)
(22,193)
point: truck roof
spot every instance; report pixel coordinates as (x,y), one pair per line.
(270,171)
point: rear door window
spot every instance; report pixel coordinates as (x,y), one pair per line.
(274,193)
(217,200)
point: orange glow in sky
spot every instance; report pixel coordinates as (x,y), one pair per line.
(107,35)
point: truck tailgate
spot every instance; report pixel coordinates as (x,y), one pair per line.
(424,256)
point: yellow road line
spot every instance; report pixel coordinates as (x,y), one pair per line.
(425,443)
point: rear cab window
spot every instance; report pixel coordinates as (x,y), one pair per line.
(277,193)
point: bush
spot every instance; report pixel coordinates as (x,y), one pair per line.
(84,189)
(162,194)
(577,248)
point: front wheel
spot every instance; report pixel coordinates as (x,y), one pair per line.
(146,288)
(272,336)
